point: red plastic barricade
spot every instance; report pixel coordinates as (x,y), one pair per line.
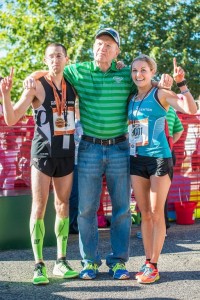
(15,153)
(186,182)
(15,162)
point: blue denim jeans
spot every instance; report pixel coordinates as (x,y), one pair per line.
(93,161)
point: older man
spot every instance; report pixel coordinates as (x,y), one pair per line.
(103,91)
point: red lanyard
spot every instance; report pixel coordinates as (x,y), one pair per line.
(60,104)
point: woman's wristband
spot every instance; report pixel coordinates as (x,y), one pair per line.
(186,91)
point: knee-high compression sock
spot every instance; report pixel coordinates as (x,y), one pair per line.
(37,231)
(61,231)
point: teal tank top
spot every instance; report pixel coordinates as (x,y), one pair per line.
(147,123)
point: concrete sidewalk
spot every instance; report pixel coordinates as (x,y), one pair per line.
(179,267)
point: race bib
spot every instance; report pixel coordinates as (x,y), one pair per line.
(138,134)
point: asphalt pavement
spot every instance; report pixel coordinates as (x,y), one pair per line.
(179,267)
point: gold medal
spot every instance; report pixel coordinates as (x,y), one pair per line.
(60,122)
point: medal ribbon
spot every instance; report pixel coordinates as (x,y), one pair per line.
(60,104)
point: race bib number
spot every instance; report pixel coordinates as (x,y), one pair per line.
(138,134)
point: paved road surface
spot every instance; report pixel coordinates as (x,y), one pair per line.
(179,267)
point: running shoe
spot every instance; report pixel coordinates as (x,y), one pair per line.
(63,269)
(90,271)
(118,271)
(141,271)
(150,275)
(139,235)
(40,274)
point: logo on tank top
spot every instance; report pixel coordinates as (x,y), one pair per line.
(117,79)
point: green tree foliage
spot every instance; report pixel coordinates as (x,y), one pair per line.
(160,28)
(27,27)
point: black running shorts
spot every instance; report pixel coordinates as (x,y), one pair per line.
(145,166)
(54,167)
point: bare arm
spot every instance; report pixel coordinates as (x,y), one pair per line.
(185,103)
(176,136)
(12,114)
(39,74)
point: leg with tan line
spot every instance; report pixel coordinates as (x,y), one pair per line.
(62,190)
(40,194)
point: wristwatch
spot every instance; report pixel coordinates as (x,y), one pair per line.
(182,83)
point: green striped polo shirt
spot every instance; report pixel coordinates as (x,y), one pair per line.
(102,98)
(174,123)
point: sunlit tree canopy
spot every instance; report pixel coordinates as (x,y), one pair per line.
(162,29)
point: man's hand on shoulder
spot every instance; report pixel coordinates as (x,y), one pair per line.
(32,89)
(30,81)
(120,64)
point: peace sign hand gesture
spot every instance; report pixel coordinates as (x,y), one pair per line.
(179,74)
(6,83)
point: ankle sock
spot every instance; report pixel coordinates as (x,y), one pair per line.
(39,264)
(60,260)
(154,264)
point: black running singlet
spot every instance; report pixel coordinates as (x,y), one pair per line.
(45,143)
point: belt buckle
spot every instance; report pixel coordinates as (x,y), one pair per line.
(105,142)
